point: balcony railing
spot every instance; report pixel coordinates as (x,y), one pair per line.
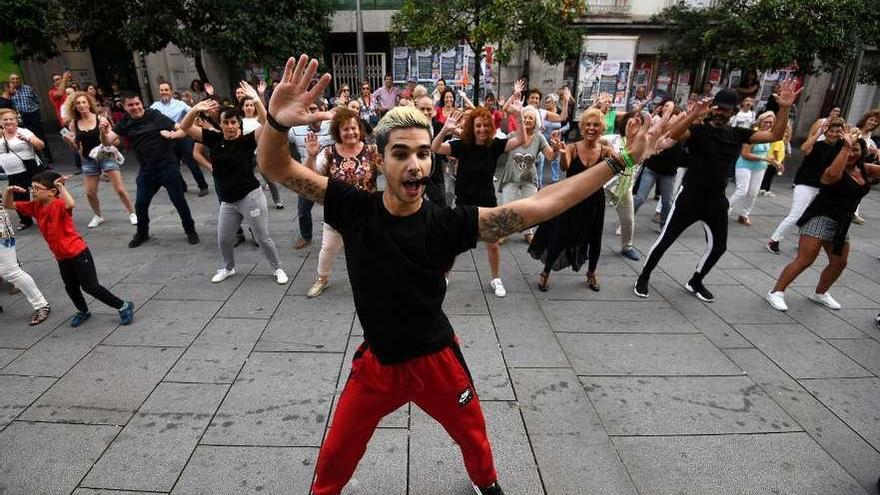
(369,4)
(608,7)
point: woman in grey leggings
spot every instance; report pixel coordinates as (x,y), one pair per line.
(239,190)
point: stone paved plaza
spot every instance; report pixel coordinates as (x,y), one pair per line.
(229,388)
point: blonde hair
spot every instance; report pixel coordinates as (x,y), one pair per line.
(4,111)
(535,113)
(418,92)
(764,116)
(593,113)
(400,117)
(70,104)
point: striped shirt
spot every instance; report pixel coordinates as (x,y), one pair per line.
(26,100)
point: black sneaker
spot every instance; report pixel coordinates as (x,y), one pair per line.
(641,287)
(773,247)
(137,240)
(697,288)
(203,192)
(493,489)
(192,237)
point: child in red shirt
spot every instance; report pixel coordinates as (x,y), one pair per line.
(51,208)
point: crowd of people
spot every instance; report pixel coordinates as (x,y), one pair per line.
(401,241)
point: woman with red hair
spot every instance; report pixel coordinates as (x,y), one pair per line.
(477,152)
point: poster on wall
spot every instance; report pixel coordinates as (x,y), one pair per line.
(400,64)
(589,74)
(735,76)
(424,65)
(447,64)
(715,77)
(642,74)
(664,77)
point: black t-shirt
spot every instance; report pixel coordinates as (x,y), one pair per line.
(233,163)
(6,103)
(712,151)
(667,161)
(152,150)
(476,169)
(814,164)
(396,266)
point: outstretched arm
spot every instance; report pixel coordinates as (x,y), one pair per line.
(439,144)
(785,98)
(187,124)
(552,200)
(287,108)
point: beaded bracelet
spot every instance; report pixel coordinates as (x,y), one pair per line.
(275,124)
(615,166)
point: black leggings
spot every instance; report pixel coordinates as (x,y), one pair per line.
(768,178)
(79,271)
(22,180)
(687,210)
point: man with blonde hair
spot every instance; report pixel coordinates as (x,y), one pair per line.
(397,249)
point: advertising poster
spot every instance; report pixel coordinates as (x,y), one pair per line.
(424,65)
(447,64)
(664,76)
(400,64)
(589,74)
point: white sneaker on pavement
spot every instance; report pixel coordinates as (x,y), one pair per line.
(825,300)
(222,274)
(777,300)
(498,287)
(96,220)
(280,276)
(133,218)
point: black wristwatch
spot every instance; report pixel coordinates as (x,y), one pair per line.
(275,125)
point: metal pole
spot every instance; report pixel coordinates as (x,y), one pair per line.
(361,63)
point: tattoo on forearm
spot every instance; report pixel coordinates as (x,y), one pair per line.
(306,187)
(501,223)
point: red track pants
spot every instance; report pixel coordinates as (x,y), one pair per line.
(438,383)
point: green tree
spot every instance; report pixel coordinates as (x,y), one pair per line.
(444,25)
(33,27)
(769,34)
(259,31)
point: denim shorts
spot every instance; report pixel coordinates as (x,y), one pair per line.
(92,168)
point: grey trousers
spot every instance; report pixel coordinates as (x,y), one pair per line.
(252,207)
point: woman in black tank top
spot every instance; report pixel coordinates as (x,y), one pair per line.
(84,127)
(825,223)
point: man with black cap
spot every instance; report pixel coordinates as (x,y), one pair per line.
(713,146)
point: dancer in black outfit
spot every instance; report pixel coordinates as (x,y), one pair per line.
(575,236)
(713,145)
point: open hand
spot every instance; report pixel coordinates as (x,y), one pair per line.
(261,87)
(104,126)
(452,121)
(249,90)
(519,86)
(515,105)
(566,93)
(209,88)
(787,93)
(59,182)
(16,189)
(312,146)
(208,105)
(291,99)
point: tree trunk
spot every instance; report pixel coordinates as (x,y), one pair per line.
(200,67)
(478,51)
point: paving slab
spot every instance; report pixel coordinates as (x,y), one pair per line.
(855,400)
(524,333)
(63,348)
(153,448)
(138,293)
(107,386)
(383,469)
(198,286)
(572,448)
(865,351)
(847,447)
(800,352)
(482,353)
(95,491)
(169,324)
(256,297)
(309,325)
(435,462)
(785,463)
(8,354)
(19,392)
(279,399)
(219,352)
(824,323)
(739,305)
(47,458)
(613,317)
(226,470)
(645,354)
(685,405)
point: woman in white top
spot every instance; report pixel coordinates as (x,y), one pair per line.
(18,158)
(254,115)
(745,117)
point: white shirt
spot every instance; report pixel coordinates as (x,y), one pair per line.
(297,136)
(249,124)
(743,119)
(11,159)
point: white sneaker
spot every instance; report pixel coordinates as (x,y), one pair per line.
(769,194)
(825,300)
(280,276)
(498,287)
(777,300)
(96,220)
(222,274)
(617,232)
(133,218)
